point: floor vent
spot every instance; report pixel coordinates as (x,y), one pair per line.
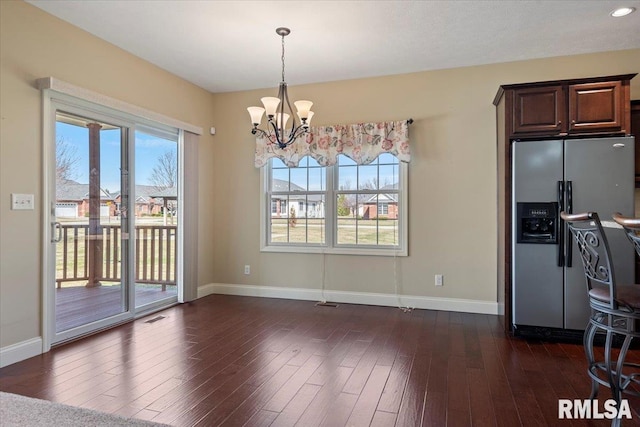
(155,319)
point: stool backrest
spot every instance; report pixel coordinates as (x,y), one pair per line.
(594,252)
(631,228)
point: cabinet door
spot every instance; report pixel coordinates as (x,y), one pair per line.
(595,107)
(539,110)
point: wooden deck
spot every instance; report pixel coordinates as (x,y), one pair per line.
(233,361)
(78,305)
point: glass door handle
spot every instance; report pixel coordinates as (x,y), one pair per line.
(56,231)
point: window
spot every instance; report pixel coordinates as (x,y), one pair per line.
(363,196)
(292,189)
(383,208)
(344,208)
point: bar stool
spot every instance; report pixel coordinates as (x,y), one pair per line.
(615,309)
(631,227)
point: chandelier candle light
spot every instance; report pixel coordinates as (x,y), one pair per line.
(275,109)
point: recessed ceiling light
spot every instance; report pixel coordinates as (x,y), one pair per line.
(623,11)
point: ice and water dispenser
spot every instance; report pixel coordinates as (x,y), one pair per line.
(537,222)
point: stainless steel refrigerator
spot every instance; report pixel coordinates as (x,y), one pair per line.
(575,175)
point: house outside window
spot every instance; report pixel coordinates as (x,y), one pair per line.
(343,208)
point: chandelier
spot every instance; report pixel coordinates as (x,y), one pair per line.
(278,111)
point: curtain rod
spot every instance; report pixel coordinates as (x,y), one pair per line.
(410,121)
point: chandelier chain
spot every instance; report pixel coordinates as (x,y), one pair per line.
(282,57)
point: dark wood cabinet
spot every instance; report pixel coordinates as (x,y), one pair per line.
(567,107)
(539,110)
(597,106)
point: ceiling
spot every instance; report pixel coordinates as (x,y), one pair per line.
(227,46)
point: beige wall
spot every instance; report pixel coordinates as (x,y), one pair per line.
(34,44)
(452,176)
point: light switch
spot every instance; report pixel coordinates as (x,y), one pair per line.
(22,202)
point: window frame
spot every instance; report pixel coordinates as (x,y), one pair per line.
(330,246)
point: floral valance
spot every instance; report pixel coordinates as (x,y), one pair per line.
(362,142)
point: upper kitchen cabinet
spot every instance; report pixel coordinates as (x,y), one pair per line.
(566,107)
(539,110)
(596,106)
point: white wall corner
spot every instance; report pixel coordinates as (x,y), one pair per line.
(501,309)
(20,351)
(389,300)
(205,290)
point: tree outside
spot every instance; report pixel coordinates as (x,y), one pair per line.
(165,173)
(343,205)
(292,217)
(67,160)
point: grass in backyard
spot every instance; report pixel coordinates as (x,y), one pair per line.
(350,231)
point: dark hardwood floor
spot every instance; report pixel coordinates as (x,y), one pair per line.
(79,305)
(233,361)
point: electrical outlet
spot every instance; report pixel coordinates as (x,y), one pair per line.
(247,269)
(439,279)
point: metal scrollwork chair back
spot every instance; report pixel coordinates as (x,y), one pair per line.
(615,310)
(596,256)
(631,227)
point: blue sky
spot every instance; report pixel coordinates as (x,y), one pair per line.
(148,149)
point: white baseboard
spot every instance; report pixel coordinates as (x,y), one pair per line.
(390,300)
(20,351)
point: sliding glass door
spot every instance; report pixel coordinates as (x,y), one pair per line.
(113,249)
(90,231)
(156,216)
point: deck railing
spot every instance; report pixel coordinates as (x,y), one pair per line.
(155,254)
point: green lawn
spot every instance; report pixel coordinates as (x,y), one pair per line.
(350,231)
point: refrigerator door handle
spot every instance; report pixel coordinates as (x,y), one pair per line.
(569,245)
(560,226)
